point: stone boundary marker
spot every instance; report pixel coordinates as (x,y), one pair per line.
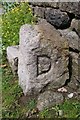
(43,58)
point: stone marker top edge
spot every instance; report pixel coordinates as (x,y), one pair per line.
(14,50)
(40,28)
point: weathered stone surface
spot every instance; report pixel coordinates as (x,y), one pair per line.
(48,99)
(12,56)
(57,18)
(43,57)
(75,25)
(74,79)
(79,66)
(72,38)
(70,7)
(39,11)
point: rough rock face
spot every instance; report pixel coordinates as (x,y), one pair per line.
(79,66)
(74,78)
(70,7)
(57,18)
(72,38)
(39,11)
(43,58)
(74,48)
(12,56)
(48,99)
(75,25)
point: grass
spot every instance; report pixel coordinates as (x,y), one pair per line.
(12,107)
(15,104)
(12,21)
(70,109)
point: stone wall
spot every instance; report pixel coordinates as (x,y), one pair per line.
(47,58)
(58,14)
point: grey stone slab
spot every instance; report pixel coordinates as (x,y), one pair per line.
(74,78)
(39,11)
(75,25)
(72,38)
(12,56)
(49,99)
(57,18)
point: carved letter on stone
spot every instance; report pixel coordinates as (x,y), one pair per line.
(43,64)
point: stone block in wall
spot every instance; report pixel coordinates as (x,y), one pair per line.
(74,71)
(79,65)
(71,7)
(43,58)
(57,18)
(75,25)
(48,99)
(12,56)
(72,38)
(39,11)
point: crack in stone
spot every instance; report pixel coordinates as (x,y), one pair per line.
(74,50)
(70,71)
